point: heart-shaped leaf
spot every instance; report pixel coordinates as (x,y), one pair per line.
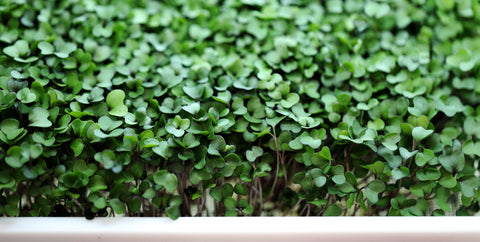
(26,96)
(423,158)
(254,153)
(390,141)
(217,145)
(376,10)
(107,124)
(452,161)
(39,118)
(77,147)
(14,157)
(19,49)
(192,108)
(166,179)
(46,48)
(450,106)
(428,174)
(290,100)
(115,100)
(102,53)
(407,154)
(11,129)
(313,143)
(419,133)
(400,172)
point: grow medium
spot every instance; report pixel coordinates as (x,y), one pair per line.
(239,108)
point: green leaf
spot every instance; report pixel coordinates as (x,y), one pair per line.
(11,207)
(10,130)
(471,127)
(192,108)
(313,143)
(77,147)
(217,145)
(376,167)
(254,153)
(217,193)
(339,176)
(97,183)
(74,179)
(445,5)
(190,141)
(26,96)
(163,150)
(46,48)
(39,118)
(100,203)
(245,83)
(381,62)
(166,179)
(407,154)
(419,133)
(470,148)
(64,49)
(377,186)
(450,106)
(462,59)
(14,157)
(468,185)
(377,10)
(420,106)
(325,153)
(448,181)
(428,174)
(320,181)
(399,173)
(423,158)
(173,212)
(452,161)
(393,160)
(372,196)
(290,100)
(117,205)
(19,49)
(390,141)
(333,210)
(194,92)
(197,176)
(169,78)
(115,100)
(107,124)
(102,53)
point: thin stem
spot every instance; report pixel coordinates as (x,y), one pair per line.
(260,195)
(152,209)
(303,210)
(355,209)
(78,203)
(414,147)
(201,204)
(272,191)
(348,157)
(329,196)
(283,167)
(253,188)
(293,208)
(308,209)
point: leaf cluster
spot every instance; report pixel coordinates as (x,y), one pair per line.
(239,108)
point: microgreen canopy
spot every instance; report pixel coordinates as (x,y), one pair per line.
(239,107)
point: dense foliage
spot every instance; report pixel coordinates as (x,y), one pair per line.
(239,107)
